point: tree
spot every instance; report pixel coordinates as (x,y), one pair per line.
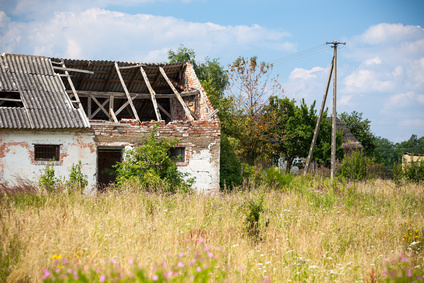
(250,84)
(386,152)
(361,129)
(413,145)
(294,130)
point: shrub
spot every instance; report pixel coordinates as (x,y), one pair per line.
(253,209)
(151,166)
(276,178)
(413,172)
(357,166)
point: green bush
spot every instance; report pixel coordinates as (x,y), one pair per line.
(413,172)
(357,166)
(151,166)
(276,178)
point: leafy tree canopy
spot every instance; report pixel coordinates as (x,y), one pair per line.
(294,130)
(361,129)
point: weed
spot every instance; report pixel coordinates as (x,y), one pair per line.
(47,180)
(77,179)
(252,210)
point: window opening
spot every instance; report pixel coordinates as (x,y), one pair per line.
(178,153)
(10,99)
(46,152)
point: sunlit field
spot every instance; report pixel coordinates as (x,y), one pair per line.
(309,231)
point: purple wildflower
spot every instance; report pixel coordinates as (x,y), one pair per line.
(102,278)
(46,274)
(155,277)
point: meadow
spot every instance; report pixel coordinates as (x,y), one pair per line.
(311,230)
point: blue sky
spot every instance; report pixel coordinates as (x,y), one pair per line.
(380,70)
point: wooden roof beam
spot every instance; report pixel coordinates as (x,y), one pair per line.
(152,94)
(179,98)
(126,91)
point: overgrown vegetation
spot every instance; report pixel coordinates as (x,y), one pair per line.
(357,166)
(151,167)
(285,232)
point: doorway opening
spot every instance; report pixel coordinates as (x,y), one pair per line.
(106,158)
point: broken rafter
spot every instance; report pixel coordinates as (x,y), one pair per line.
(75,94)
(126,91)
(152,94)
(102,94)
(180,99)
(133,66)
(72,70)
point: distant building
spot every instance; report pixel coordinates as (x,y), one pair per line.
(409,158)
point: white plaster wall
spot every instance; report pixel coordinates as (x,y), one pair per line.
(204,169)
(17,154)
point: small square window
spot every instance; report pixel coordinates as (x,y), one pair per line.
(178,153)
(46,152)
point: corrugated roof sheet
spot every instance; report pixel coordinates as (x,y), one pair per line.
(46,104)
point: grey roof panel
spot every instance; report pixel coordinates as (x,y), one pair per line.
(46,104)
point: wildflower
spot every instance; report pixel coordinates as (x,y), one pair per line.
(180,264)
(210,254)
(130,261)
(198,269)
(102,278)
(46,274)
(409,273)
(155,277)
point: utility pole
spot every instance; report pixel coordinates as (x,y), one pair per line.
(333,70)
(334,132)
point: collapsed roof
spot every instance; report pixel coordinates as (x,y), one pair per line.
(44,93)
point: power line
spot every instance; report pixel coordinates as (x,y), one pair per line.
(299,55)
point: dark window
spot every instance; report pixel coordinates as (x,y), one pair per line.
(178,153)
(10,99)
(46,152)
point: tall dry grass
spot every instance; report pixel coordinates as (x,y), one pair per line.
(315,232)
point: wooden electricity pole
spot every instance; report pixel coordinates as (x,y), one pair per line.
(333,70)
(334,132)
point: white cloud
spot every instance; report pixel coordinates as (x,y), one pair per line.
(103,34)
(365,81)
(384,33)
(345,100)
(303,74)
(375,60)
(408,100)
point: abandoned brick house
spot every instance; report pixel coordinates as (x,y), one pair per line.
(91,111)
